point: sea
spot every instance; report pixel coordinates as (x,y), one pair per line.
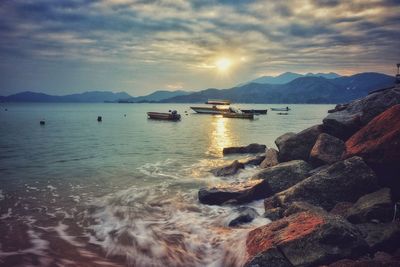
(123,191)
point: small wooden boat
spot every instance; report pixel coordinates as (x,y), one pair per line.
(282,113)
(255,111)
(280,109)
(170,116)
(238,115)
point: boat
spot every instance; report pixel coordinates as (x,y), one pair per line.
(219,106)
(238,115)
(282,113)
(170,116)
(280,109)
(255,111)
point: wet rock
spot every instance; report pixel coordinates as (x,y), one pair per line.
(284,175)
(326,150)
(381,236)
(246,215)
(274,258)
(281,139)
(254,161)
(274,214)
(375,206)
(271,158)
(381,259)
(304,239)
(318,169)
(298,146)
(252,148)
(227,170)
(300,206)
(343,181)
(378,143)
(345,122)
(217,196)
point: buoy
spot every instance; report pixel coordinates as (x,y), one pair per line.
(42,122)
(124,115)
(99,118)
(6,109)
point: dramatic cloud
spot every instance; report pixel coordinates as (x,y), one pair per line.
(139,46)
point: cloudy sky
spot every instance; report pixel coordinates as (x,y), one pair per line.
(138,46)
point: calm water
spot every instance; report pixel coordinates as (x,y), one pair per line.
(124,191)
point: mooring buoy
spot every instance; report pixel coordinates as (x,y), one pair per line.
(42,122)
(99,118)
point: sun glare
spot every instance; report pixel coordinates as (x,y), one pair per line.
(223,64)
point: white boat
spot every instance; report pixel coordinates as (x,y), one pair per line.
(219,106)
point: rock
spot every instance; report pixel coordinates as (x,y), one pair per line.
(381,259)
(227,170)
(375,206)
(378,143)
(345,122)
(298,146)
(284,175)
(318,169)
(304,239)
(326,150)
(300,206)
(274,258)
(271,158)
(381,236)
(235,193)
(281,139)
(246,215)
(252,148)
(254,161)
(341,208)
(343,181)
(274,214)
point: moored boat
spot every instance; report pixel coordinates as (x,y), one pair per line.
(210,110)
(255,111)
(280,109)
(238,115)
(170,116)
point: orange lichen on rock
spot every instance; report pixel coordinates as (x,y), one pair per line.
(379,140)
(285,230)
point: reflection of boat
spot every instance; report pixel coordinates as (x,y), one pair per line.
(255,111)
(170,116)
(238,115)
(280,109)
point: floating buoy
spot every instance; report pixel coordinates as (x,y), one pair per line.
(99,118)
(42,122)
(6,109)
(124,115)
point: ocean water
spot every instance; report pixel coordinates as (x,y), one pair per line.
(124,191)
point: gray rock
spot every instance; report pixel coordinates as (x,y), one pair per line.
(254,161)
(250,149)
(348,119)
(375,206)
(274,214)
(284,175)
(283,138)
(271,158)
(300,206)
(298,146)
(246,215)
(274,258)
(381,236)
(344,181)
(227,170)
(326,150)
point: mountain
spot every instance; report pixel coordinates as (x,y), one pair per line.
(306,89)
(93,96)
(290,76)
(154,97)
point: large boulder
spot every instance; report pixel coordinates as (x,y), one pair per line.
(343,181)
(326,150)
(348,119)
(284,175)
(376,206)
(304,239)
(380,259)
(271,158)
(227,170)
(254,161)
(252,148)
(298,146)
(378,143)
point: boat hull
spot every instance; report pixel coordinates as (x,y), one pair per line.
(207,110)
(163,116)
(249,116)
(255,111)
(280,109)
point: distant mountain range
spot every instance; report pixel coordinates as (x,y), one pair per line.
(154,97)
(88,97)
(305,89)
(290,76)
(299,88)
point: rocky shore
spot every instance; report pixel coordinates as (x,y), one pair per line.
(330,190)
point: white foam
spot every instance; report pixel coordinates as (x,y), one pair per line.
(7,215)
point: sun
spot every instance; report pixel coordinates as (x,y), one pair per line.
(223,64)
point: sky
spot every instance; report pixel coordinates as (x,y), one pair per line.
(138,46)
